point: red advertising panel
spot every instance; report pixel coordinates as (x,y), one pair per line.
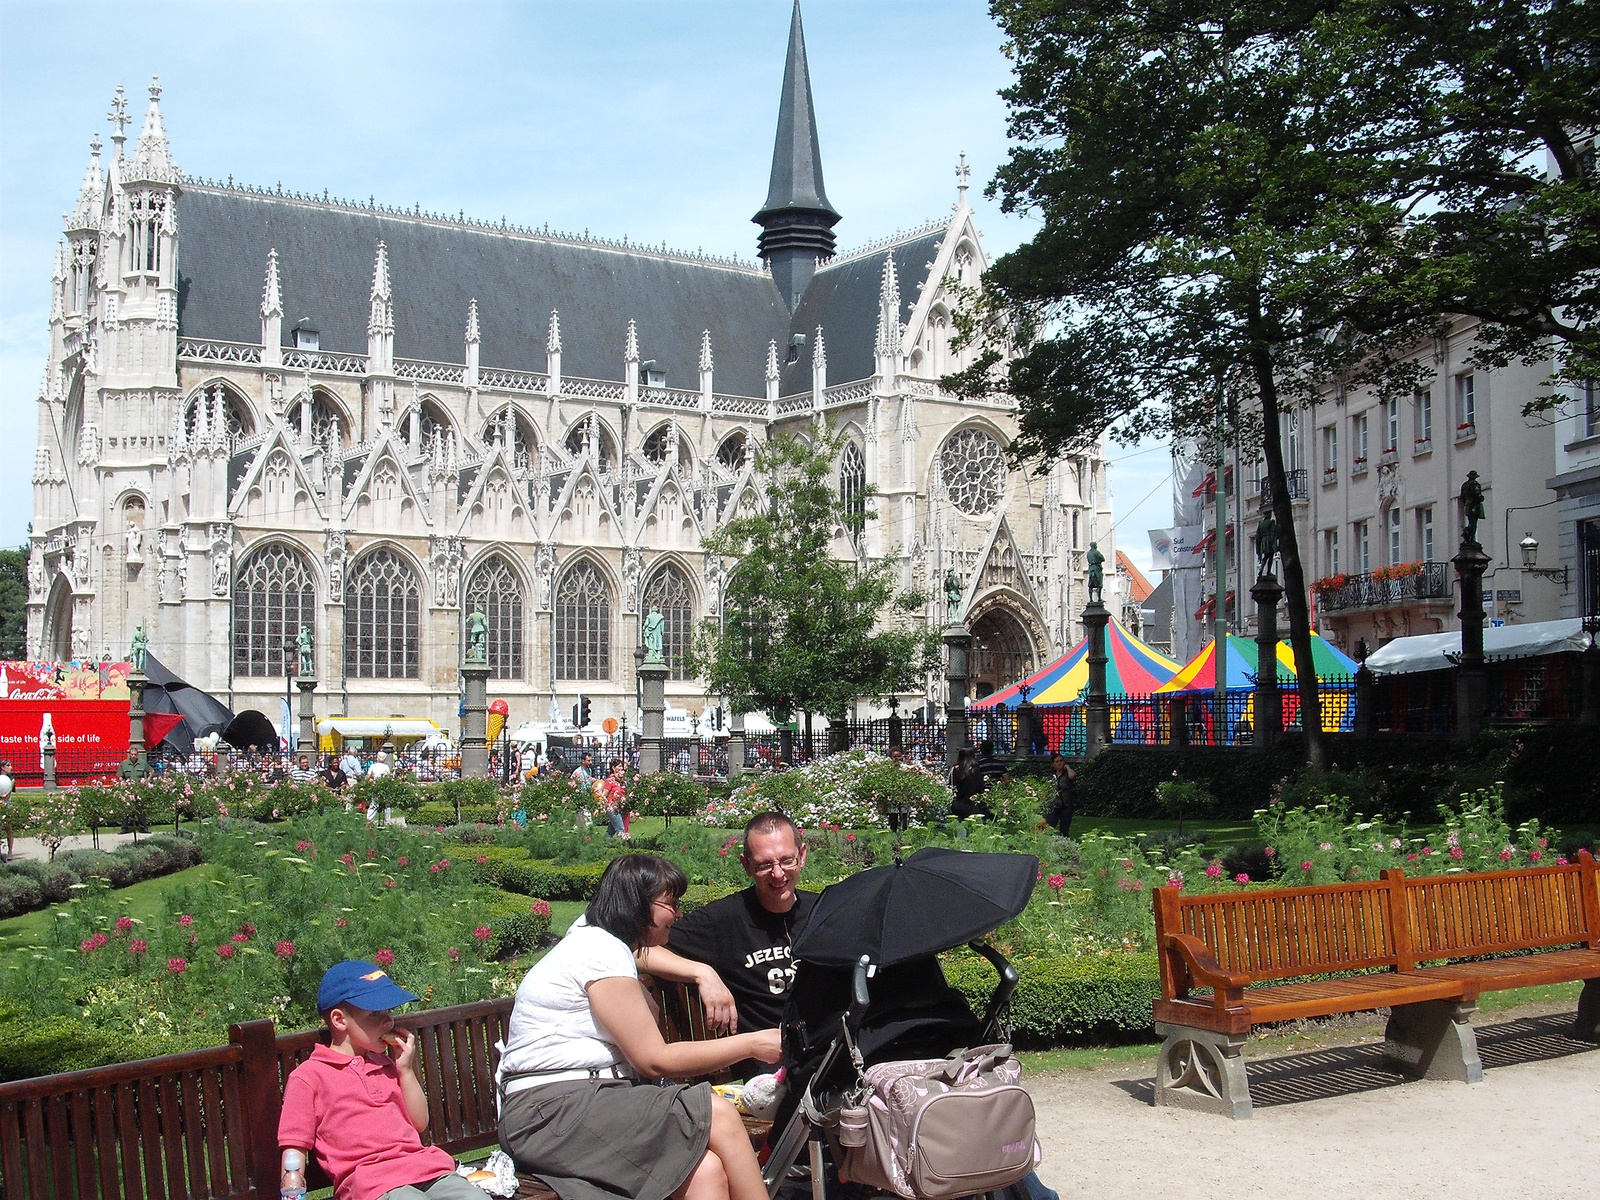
(91,738)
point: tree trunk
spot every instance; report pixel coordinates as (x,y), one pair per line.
(1294,576)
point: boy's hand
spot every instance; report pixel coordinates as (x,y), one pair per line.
(403,1048)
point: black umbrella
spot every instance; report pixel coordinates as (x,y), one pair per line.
(934,900)
(202,714)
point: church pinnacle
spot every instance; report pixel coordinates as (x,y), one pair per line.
(796,221)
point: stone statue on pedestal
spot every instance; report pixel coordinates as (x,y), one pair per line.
(654,632)
(135,542)
(1472,510)
(308,658)
(477,637)
(1097,574)
(952,597)
(140,645)
(1266,542)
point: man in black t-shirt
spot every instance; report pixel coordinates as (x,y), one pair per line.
(745,938)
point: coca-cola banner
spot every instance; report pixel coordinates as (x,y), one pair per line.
(91,737)
(65,681)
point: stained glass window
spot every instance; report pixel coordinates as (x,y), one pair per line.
(583,624)
(382,617)
(974,469)
(273,595)
(669,591)
(494,589)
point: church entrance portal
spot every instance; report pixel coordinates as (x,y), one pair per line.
(1001,652)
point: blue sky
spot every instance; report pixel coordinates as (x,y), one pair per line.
(647,118)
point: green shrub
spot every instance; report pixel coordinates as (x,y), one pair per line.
(853,790)
(701,894)
(666,794)
(1062,1000)
(439,814)
(55,1044)
(19,893)
(513,871)
(520,925)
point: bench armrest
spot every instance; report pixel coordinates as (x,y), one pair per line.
(1204,970)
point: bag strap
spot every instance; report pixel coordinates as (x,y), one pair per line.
(964,1063)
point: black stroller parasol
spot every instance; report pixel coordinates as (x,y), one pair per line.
(933,901)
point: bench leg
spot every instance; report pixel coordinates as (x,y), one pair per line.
(1588,1025)
(1203,1071)
(1434,1040)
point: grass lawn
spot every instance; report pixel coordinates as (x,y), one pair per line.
(143,900)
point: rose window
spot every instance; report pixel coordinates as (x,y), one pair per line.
(974,470)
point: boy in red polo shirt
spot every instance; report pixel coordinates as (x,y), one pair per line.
(359,1110)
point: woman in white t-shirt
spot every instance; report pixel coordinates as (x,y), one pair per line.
(582,1035)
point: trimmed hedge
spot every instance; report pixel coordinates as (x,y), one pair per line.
(512,870)
(1060,1001)
(518,929)
(26,885)
(56,1044)
(436,813)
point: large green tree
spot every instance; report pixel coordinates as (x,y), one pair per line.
(1209,219)
(804,631)
(14,603)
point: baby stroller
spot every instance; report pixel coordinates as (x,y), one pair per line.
(868,989)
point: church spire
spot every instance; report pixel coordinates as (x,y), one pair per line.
(86,214)
(796,221)
(152,157)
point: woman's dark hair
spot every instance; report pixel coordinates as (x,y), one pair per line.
(629,887)
(965,763)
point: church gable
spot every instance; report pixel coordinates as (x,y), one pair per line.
(275,489)
(1001,567)
(493,507)
(668,519)
(584,515)
(383,497)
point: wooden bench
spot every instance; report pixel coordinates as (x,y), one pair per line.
(1423,948)
(203,1125)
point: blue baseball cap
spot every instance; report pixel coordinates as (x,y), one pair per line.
(363,984)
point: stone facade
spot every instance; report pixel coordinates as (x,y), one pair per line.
(264,409)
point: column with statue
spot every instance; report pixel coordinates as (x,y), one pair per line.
(958,648)
(1097,710)
(1266,593)
(138,653)
(1470,563)
(653,687)
(475,698)
(306,680)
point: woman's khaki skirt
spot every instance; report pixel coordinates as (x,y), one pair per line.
(604,1139)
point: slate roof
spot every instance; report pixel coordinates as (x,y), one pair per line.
(843,299)
(326,255)
(796,181)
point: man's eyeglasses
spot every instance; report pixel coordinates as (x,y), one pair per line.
(787,863)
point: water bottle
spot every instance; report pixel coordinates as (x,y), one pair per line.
(292,1183)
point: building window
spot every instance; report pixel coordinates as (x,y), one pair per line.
(853,480)
(655,447)
(1075,529)
(1330,449)
(1391,426)
(1424,404)
(1425,532)
(273,595)
(1466,401)
(583,624)
(1591,409)
(216,408)
(731,454)
(1358,443)
(1293,451)
(317,420)
(1363,547)
(1331,550)
(494,589)
(579,437)
(1392,521)
(382,615)
(144,233)
(668,590)
(973,467)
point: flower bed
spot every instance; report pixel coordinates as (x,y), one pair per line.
(853,790)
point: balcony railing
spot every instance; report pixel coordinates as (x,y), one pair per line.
(1299,489)
(1384,588)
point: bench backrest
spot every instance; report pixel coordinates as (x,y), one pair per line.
(1279,933)
(1499,912)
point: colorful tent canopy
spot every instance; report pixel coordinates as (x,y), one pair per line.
(1132,668)
(1199,673)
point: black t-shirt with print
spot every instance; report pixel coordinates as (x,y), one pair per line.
(749,947)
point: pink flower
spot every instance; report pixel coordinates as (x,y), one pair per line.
(99,940)
(285,949)
(186,920)
(87,946)
(138,946)
(372,852)
(1412,857)
(849,837)
(302,847)
(404,861)
(348,859)
(1325,846)
(177,965)
(1505,855)
(388,883)
(483,933)
(124,924)
(444,864)
(1457,853)
(434,870)
(194,938)
(1306,866)
(1535,855)
(383,957)
(481,859)
(240,938)
(453,954)
(541,908)
(1270,852)
(225,950)
(723,853)
(341,922)
(1214,871)
(247,929)
(1561,861)
(1057,882)
(1427,852)
(1175,881)
(1241,877)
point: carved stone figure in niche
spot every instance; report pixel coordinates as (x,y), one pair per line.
(477,637)
(220,570)
(632,569)
(35,577)
(1266,543)
(544,570)
(134,540)
(1097,574)
(308,655)
(655,627)
(1472,509)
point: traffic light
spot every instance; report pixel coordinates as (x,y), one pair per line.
(583,712)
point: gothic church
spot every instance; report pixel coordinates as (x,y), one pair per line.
(264,409)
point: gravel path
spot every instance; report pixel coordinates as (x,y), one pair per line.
(1334,1123)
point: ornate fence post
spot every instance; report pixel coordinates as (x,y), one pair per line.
(1366,700)
(137,682)
(736,745)
(653,685)
(1269,701)
(308,721)
(1097,712)
(957,644)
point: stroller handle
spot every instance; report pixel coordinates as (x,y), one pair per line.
(859,999)
(1002,994)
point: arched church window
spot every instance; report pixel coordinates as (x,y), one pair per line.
(853,480)
(382,611)
(668,590)
(656,447)
(273,595)
(495,590)
(144,232)
(217,406)
(318,420)
(974,470)
(512,428)
(731,454)
(605,453)
(583,624)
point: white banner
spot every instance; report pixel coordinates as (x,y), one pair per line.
(1161,549)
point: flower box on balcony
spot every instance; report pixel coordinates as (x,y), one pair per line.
(1466,432)
(1422,446)
(1358,466)
(1330,475)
